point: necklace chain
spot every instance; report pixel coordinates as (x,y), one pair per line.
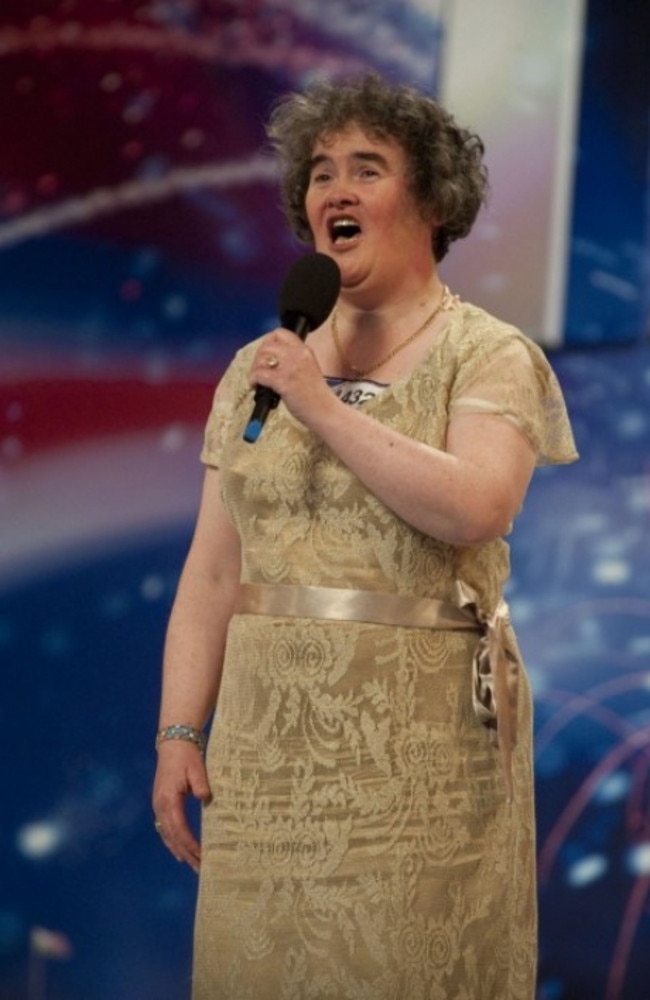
(363,372)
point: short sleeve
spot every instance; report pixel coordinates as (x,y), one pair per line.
(230,393)
(501,371)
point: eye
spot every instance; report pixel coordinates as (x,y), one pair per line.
(320,177)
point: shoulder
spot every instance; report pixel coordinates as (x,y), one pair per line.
(243,356)
(475,333)
(497,365)
(236,371)
(472,322)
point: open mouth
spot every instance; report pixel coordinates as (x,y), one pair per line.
(344,230)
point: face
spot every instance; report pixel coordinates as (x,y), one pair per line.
(362,213)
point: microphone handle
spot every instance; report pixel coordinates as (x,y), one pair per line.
(266,399)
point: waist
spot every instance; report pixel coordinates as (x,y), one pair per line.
(341,604)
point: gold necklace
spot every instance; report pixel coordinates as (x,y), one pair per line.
(362,373)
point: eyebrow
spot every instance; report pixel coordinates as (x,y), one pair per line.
(362,155)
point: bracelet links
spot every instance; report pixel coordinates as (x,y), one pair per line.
(181,732)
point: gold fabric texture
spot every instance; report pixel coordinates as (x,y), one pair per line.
(360,844)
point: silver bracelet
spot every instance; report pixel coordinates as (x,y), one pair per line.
(181,732)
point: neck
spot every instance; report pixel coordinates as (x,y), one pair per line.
(366,340)
(379,313)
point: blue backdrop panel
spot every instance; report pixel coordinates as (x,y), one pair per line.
(609,263)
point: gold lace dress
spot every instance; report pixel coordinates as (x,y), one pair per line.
(359,844)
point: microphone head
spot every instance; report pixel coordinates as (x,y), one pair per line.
(309,292)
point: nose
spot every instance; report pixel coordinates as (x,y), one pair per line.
(340,195)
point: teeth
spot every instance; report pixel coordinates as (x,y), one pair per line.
(345,229)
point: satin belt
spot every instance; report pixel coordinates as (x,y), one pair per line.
(374,606)
(495,664)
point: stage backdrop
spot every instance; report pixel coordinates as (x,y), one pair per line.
(140,244)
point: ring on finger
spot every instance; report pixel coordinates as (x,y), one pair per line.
(272,361)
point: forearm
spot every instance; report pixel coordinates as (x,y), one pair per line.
(416,483)
(463,498)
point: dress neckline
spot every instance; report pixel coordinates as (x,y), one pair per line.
(389,388)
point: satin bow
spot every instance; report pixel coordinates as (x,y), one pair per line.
(495,677)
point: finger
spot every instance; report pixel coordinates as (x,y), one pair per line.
(200,789)
(262,373)
(180,841)
(175,831)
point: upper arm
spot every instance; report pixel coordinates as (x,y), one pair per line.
(204,602)
(215,551)
(500,461)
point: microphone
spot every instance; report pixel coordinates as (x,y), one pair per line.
(306,299)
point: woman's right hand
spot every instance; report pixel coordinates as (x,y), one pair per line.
(180,772)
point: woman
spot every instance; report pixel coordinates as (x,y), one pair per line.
(368,827)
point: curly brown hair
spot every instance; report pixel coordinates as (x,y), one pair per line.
(447,175)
